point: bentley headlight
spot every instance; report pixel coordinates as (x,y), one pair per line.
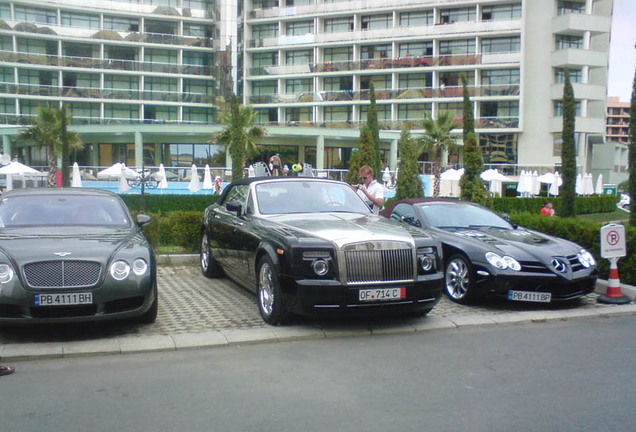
(502,263)
(140,267)
(6,273)
(119,270)
(320,267)
(586,259)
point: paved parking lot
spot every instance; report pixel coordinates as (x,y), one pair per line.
(190,303)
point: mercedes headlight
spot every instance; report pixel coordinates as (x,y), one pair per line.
(586,259)
(502,263)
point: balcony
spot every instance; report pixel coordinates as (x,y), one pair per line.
(579,57)
(581,91)
(576,24)
(8,57)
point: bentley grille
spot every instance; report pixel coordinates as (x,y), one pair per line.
(385,265)
(62,274)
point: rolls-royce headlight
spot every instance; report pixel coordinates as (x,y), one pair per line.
(119,270)
(426,263)
(140,267)
(586,259)
(426,259)
(320,267)
(6,273)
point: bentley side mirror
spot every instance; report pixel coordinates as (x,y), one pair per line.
(410,219)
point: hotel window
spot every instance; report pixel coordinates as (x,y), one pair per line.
(423,49)
(299,57)
(83,112)
(197,90)
(7,106)
(5,11)
(457,47)
(160,56)
(501,12)
(6,44)
(121,23)
(499,109)
(161,113)
(449,16)
(576,75)
(264,31)
(161,27)
(32,46)
(566,7)
(264,59)
(558,108)
(417,18)
(265,4)
(369,52)
(408,81)
(414,112)
(566,41)
(340,54)
(298,114)
(455,108)
(336,25)
(121,111)
(301,85)
(383,112)
(501,45)
(70,19)
(453,79)
(196,58)
(500,76)
(30,107)
(34,15)
(6,75)
(264,88)
(498,148)
(197,30)
(338,84)
(337,114)
(377,22)
(299,28)
(157,88)
(198,115)
(380,82)
(121,82)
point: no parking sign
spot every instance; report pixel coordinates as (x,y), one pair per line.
(613,243)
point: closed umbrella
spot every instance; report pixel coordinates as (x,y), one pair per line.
(195,183)
(163,179)
(598,190)
(588,184)
(578,186)
(76,176)
(207,178)
(554,186)
(535,185)
(123,183)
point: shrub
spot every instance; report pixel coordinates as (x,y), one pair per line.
(584,205)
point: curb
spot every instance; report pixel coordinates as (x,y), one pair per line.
(238,336)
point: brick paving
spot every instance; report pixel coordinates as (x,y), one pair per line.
(191,303)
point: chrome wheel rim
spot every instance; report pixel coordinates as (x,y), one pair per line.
(457,278)
(205,252)
(266,289)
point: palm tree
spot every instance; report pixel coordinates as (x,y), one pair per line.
(239,135)
(49,129)
(438,138)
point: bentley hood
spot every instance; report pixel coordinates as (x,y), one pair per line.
(30,245)
(345,228)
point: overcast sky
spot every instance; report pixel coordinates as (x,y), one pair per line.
(622,50)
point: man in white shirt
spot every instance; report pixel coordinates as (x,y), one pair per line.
(370,190)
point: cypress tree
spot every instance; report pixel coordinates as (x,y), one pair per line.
(473,187)
(631,158)
(409,184)
(469,118)
(361,157)
(568,155)
(374,128)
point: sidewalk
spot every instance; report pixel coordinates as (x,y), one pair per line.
(195,312)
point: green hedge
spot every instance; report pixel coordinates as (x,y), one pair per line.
(584,205)
(166,203)
(175,229)
(587,234)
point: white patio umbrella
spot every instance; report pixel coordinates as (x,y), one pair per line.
(17,168)
(493,174)
(123,183)
(524,186)
(116,171)
(588,184)
(207,178)
(162,178)
(556,183)
(598,190)
(578,186)
(76,176)
(452,174)
(535,184)
(195,183)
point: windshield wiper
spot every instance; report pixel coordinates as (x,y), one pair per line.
(487,226)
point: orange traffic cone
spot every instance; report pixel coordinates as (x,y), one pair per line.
(613,294)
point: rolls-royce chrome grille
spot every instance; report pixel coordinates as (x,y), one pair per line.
(62,274)
(376,262)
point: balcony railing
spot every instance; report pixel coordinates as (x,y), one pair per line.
(105,64)
(25,119)
(382,94)
(503,122)
(106,93)
(387,64)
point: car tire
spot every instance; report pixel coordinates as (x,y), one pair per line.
(209,266)
(271,303)
(458,279)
